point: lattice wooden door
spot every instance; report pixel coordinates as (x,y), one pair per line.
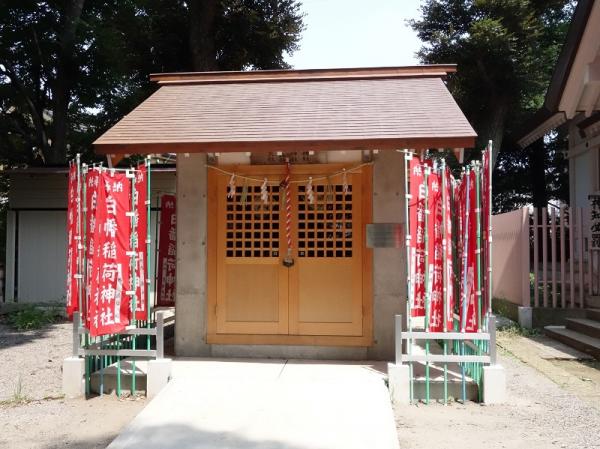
(322,293)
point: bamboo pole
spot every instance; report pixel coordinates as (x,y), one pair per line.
(553,254)
(148,248)
(427,277)
(563,292)
(133,244)
(545,256)
(490,197)
(410,289)
(572,256)
(445,272)
(479,255)
(581,257)
(465,281)
(536,257)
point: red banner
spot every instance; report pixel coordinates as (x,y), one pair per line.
(109,304)
(139,243)
(435,257)
(167,243)
(469,322)
(417,236)
(448,228)
(92,181)
(486,214)
(73,239)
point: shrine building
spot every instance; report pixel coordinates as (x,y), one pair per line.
(290,193)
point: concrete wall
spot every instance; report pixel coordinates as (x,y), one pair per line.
(510,257)
(190,310)
(389,269)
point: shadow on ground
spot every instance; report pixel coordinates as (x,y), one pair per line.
(179,437)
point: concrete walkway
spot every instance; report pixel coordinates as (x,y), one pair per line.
(267,404)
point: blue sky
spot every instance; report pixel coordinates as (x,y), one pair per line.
(357,33)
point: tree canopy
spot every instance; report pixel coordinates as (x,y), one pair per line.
(506,51)
(69,69)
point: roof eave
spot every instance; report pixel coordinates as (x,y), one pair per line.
(416,143)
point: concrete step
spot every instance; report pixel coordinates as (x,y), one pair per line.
(593,314)
(584,326)
(577,340)
(105,382)
(592,302)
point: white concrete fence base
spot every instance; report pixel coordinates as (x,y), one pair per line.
(73,381)
(494,384)
(399,383)
(159,374)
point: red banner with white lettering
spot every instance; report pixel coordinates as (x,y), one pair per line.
(109,302)
(139,242)
(435,259)
(469,321)
(167,243)
(73,239)
(448,228)
(416,208)
(92,180)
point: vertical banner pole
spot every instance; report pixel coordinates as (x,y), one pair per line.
(133,248)
(479,254)
(489,212)
(466,178)
(84,238)
(407,157)
(148,249)
(445,272)
(428,285)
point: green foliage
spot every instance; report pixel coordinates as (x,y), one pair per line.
(31,317)
(506,51)
(70,69)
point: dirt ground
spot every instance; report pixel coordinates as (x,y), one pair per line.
(550,404)
(33,413)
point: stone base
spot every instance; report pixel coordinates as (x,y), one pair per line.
(494,384)
(73,380)
(159,374)
(399,383)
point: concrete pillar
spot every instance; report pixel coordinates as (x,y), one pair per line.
(399,383)
(158,375)
(494,384)
(389,264)
(190,306)
(73,381)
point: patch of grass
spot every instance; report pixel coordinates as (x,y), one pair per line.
(17,397)
(31,317)
(518,331)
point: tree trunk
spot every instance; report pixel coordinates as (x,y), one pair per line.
(61,88)
(494,127)
(202,38)
(537,173)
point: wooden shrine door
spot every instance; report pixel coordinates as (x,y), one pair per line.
(327,289)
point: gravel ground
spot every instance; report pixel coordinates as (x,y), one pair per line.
(43,420)
(538,414)
(33,359)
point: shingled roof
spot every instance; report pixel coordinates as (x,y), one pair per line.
(294,110)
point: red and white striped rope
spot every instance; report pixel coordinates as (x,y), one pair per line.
(288,208)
